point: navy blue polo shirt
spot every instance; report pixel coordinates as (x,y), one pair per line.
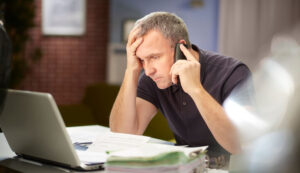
(219,76)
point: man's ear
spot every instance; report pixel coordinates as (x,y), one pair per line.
(182,41)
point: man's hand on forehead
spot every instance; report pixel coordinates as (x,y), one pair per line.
(133,43)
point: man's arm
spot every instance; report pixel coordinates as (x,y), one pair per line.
(212,112)
(129,113)
(216,119)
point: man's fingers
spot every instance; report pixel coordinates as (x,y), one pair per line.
(132,35)
(178,63)
(189,56)
(136,44)
(174,78)
(175,72)
(133,32)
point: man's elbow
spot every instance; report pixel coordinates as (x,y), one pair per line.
(115,128)
(123,128)
(111,123)
(236,151)
(112,128)
(114,125)
(235,148)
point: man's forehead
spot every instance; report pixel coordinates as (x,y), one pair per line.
(146,52)
(153,43)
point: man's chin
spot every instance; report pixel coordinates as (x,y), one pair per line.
(163,85)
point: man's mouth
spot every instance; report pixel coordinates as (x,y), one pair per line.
(156,79)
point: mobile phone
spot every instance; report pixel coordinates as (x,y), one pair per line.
(178,53)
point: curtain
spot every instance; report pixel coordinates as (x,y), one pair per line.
(246,27)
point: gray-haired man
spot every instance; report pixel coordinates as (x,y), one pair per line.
(193,105)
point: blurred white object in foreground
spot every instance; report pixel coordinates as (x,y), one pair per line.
(268,119)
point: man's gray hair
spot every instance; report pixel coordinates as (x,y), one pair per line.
(169,24)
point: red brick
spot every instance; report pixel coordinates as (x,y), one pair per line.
(70,64)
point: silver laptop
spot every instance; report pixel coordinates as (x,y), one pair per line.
(35,130)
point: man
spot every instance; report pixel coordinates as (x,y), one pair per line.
(189,93)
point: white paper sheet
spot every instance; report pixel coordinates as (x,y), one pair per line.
(91,157)
(85,134)
(108,142)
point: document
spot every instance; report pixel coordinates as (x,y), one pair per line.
(152,150)
(149,158)
(109,142)
(84,134)
(92,157)
(134,153)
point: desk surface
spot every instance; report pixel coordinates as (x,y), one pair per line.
(7,163)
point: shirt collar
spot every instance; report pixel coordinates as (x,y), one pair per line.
(175,87)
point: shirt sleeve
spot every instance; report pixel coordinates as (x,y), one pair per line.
(146,90)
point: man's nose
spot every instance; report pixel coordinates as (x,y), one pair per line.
(149,69)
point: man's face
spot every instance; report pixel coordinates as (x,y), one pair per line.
(156,55)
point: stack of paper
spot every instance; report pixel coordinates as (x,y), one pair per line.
(110,142)
(135,153)
(100,146)
(157,158)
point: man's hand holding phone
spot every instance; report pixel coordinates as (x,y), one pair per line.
(178,53)
(188,70)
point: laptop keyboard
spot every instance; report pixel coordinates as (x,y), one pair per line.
(81,146)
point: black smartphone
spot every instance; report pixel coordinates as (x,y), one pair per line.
(178,53)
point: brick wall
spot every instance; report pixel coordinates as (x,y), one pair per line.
(70,63)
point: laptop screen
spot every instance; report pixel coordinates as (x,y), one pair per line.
(33,126)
